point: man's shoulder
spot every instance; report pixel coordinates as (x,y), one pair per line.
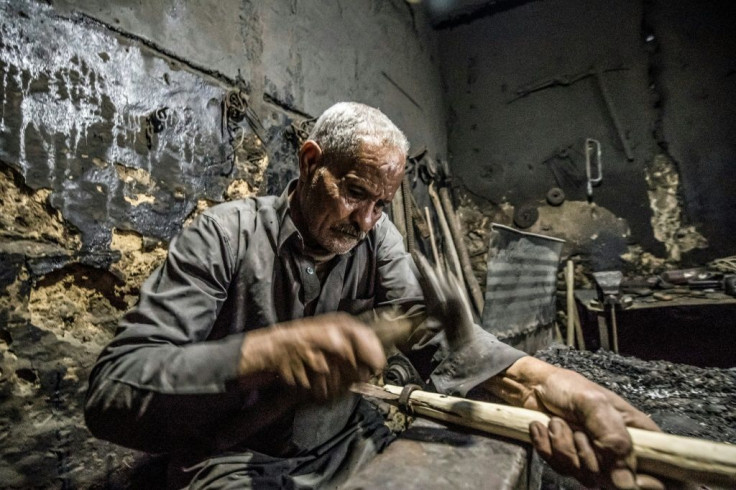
(247,214)
(240,208)
(383,228)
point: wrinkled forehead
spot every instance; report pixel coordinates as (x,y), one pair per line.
(375,158)
(377,166)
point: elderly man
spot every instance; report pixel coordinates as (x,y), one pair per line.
(238,357)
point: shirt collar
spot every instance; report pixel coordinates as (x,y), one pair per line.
(287,228)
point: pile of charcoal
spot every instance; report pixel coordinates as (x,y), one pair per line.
(684,400)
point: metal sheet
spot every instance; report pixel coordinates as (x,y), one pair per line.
(521,282)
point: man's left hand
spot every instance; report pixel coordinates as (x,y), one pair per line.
(586,437)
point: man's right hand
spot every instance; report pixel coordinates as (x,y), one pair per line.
(322,355)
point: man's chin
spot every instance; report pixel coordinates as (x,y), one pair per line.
(341,246)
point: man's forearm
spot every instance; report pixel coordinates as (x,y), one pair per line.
(155,397)
(521,383)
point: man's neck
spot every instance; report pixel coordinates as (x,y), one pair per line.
(312,249)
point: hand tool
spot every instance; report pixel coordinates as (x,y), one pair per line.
(614,115)
(398,215)
(462,251)
(608,283)
(439,176)
(657,453)
(432,241)
(450,250)
(566,80)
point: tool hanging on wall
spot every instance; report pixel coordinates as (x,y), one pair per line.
(450,250)
(438,179)
(408,219)
(432,241)
(405,213)
(398,216)
(564,168)
(593,147)
(567,80)
(462,250)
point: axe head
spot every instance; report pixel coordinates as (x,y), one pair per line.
(446,302)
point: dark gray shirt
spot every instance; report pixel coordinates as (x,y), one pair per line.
(167,382)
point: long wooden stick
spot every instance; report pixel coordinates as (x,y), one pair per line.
(446,234)
(432,241)
(578,327)
(398,215)
(406,191)
(657,453)
(462,251)
(569,282)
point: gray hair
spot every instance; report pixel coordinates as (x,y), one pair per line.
(342,128)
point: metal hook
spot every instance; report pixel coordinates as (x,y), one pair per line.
(592,145)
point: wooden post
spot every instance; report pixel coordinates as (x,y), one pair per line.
(569,282)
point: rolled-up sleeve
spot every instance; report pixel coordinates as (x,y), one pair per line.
(156,385)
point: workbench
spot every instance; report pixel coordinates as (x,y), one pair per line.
(430,455)
(691,328)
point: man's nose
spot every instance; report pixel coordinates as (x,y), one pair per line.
(365,216)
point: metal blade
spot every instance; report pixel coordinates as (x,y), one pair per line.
(373,391)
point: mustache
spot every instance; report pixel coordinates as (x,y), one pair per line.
(351,230)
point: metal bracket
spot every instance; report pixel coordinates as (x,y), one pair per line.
(593,146)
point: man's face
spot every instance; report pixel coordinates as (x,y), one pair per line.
(342,201)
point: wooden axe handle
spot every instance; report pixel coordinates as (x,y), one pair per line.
(659,454)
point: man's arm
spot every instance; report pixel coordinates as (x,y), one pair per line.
(451,369)
(161,385)
(586,437)
(157,384)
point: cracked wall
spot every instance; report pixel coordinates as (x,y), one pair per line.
(120,123)
(669,85)
(664,198)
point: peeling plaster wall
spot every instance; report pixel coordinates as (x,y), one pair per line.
(297,58)
(696,75)
(671,90)
(122,121)
(664,191)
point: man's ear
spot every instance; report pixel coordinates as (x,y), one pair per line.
(310,159)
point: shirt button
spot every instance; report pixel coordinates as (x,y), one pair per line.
(310,270)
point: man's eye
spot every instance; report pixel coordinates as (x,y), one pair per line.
(356,192)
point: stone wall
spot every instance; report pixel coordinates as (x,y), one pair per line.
(668,70)
(122,121)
